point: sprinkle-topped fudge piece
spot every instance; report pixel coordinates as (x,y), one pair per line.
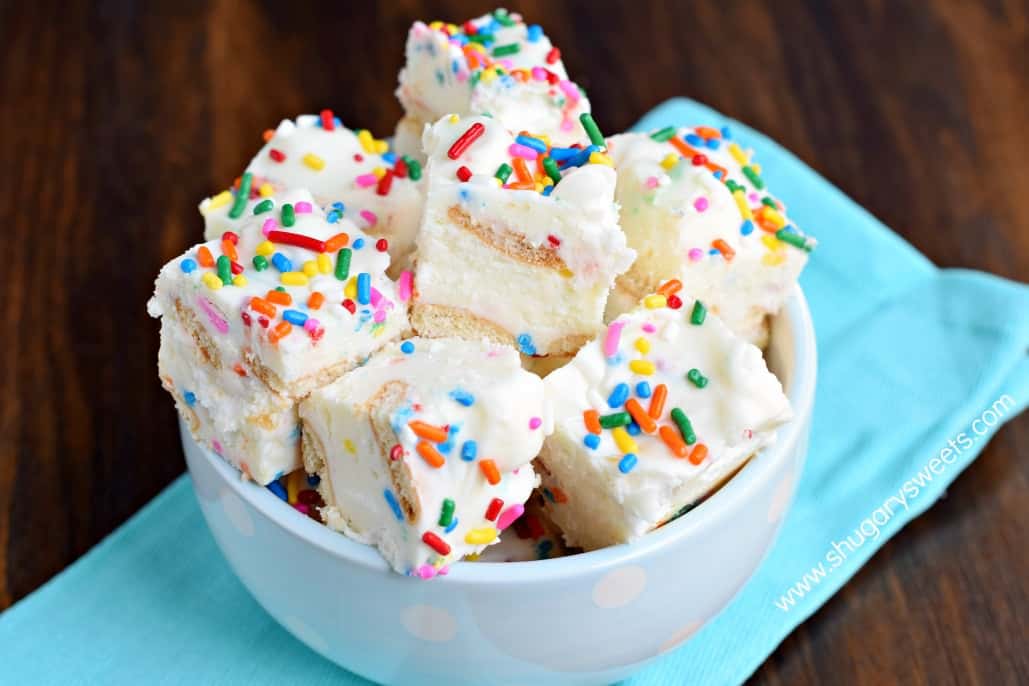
(650,417)
(349,173)
(695,207)
(296,299)
(424,452)
(495,65)
(520,240)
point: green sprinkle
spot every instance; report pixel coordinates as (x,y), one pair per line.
(481,38)
(592,130)
(473,80)
(664,134)
(794,239)
(280,289)
(685,428)
(610,421)
(769,202)
(505,50)
(550,167)
(343,264)
(260,263)
(446,513)
(242,195)
(502,16)
(414,167)
(696,378)
(503,172)
(749,172)
(289,216)
(733,186)
(698,313)
(225,269)
(265,205)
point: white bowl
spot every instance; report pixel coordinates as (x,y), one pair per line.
(585,619)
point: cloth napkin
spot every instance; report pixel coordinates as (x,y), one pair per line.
(911,357)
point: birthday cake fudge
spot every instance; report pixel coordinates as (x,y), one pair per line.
(425,451)
(495,65)
(695,207)
(349,172)
(650,417)
(520,240)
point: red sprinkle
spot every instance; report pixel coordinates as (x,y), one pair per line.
(699,160)
(263,321)
(350,305)
(246,318)
(382,245)
(400,168)
(358,157)
(436,543)
(553,56)
(469,28)
(231,237)
(493,509)
(236,267)
(299,240)
(396,452)
(385,183)
(277,155)
(464,173)
(327,121)
(473,133)
(554,240)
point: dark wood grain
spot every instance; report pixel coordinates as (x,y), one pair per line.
(116,119)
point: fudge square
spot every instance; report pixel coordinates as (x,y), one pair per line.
(695,207)
(520,240)
(425,451)
(650,417)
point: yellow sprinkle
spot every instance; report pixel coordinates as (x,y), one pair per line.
(366,141)
(737,154)
(379,172)
(211,280)
(454,119)
(480,536)
(566,273)
(478,47)
(294,278)
(773,259)
(436,25)
(294,484)
(349,446)
(381,147)
(350,290)
(265,248)
(220,200)
(324,263)
(310,268)
(472,557)
(642,344)
(600,158)
(498,182)
(545,138)
(771,242)
(266,190)
(670,160)
(643,367)
(239,280)
(776,218)
(452,28)
(488,75)
(741,202)
(756,167)
(623,440)
(655,301)
(314,162)
(539,187)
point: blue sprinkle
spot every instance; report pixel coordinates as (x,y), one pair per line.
(364,288)
(525,344)
(277,488)
(445,447)
(712,251)
(547,190)
(719,174)
(464,195)
(747,227)
(534,33)
(693,139)
(616,359)
(188,265)
(333,217)
(190,397)
(627,463)
(338,205)
(451,526)
(389,157)
(726,133)
(338,122)
(391,500)
(294,435)
(358,244)
(543,548)
(313,480)
(789,229)
(633,429)
(535,143)
(712,143)
(407,347)
(469,450)
(294,317)
(282,262)
(463,397)
(455,67)
(643,389)
(548,495)
(619,394)
(559,154)
(591,441)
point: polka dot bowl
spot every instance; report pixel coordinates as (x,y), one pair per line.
(586,619)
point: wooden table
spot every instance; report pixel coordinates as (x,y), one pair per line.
(115,121)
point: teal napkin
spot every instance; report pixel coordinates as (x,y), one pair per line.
(911,358)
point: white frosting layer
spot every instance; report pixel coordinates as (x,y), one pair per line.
(673,212)
(299,356)
(475,389)
(517,77)
(335,165)
(608,500)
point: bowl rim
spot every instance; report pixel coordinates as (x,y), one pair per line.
(737,490)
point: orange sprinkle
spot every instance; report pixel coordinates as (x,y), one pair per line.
(238,368)
(430,454)
(591,418)
(521,170)
(698,454)
(204,257)
(708,132)
(765,223)
(714,168)
(521,185)
(229,250)
(673,441)
(421,429)
(559,495)
(280,331)
(490,471)
(721,246)
(639,414)
(670,287)
(268,135)
(338,241)
(262,306)
(316,300)
(657,401)
(682,147)
(279,297)
(520,75)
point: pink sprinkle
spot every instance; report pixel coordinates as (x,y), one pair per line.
(461,76)
(268,226)
(539,73)
(651,182)
(443,571)
(369,217)
(523,151)
(300,507)
(404,286)
(311,325)
(508,516)
(212,314)
(613,337)
(535,423)
(649,328)
(567,124)
(507,64)
(366,180)
(375,297)
(426,572)
(754,198)
(380,316)
(570,90)
(302,207)
(217,447)
(700,204)
(695,254)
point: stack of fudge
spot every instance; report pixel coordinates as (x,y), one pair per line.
(506,321)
